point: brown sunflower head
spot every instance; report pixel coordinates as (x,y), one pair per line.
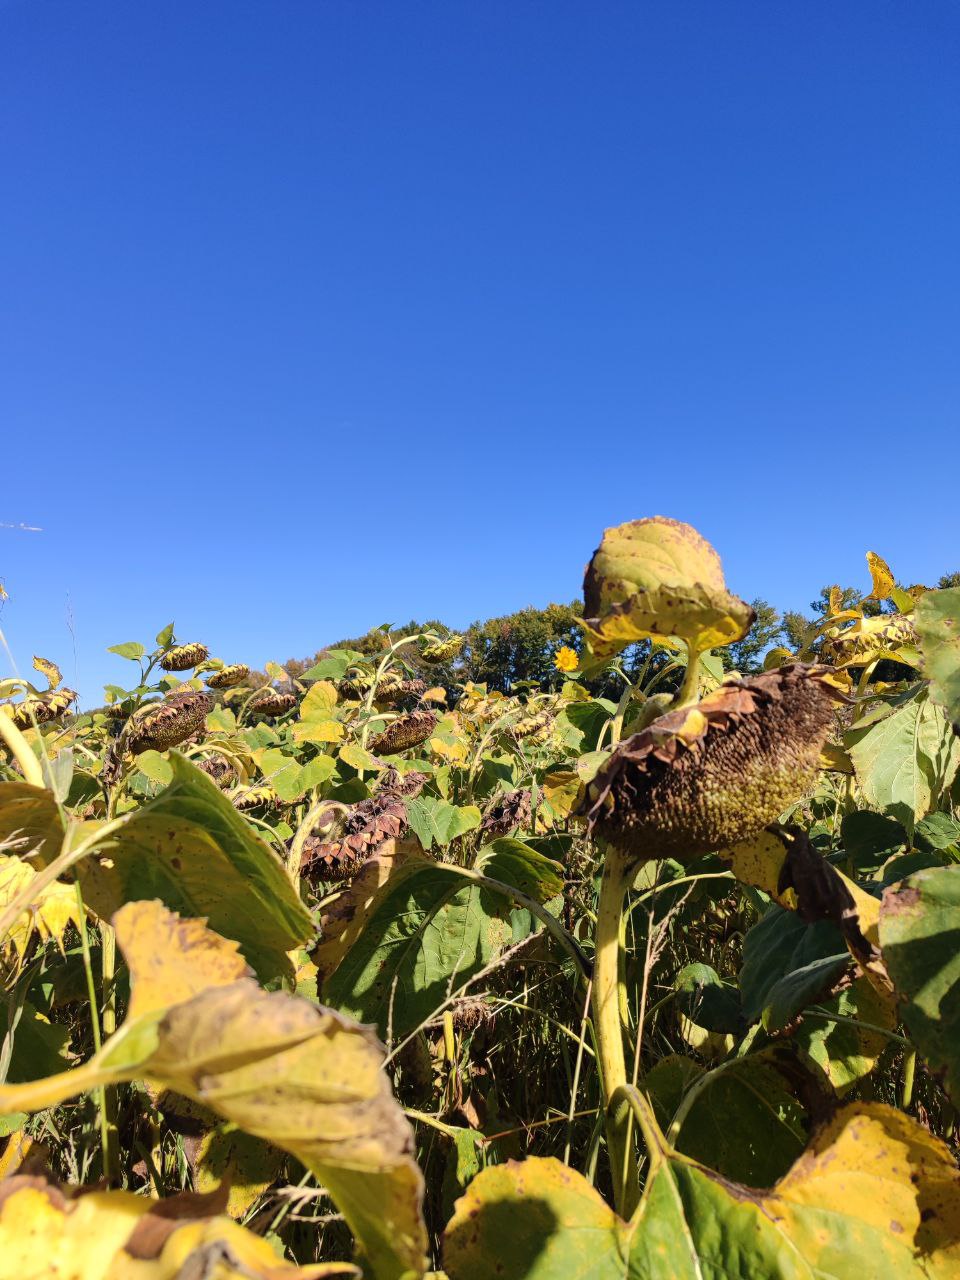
(506,814)
(219,768)
(184,656)
(701,778)
(271,702)
(227,677)
(43,708)
(169,723)
(405,732)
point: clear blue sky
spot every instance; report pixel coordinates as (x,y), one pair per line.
(315,314)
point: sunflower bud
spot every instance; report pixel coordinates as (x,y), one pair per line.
(271,702)
(405,732)
(167,724)
(184,656)
(442,650)
(227,677)
(701,778)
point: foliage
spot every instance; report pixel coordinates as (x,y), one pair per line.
(324,971)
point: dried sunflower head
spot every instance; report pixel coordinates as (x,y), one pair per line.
(701,778)
(227,677)
(43,708)
(434,652)
(219,768)
(271,702)
(184,656)
(528,726)
(506,814)
(405,732)
(167,724)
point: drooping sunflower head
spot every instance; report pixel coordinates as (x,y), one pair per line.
(228,677)
(701,778)
(272,702)
(166,724)
(184,656)
(42,708)
(437,651)
(405,732)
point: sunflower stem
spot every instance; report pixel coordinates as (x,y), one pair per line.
(609,1032)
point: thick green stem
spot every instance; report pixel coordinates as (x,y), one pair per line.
(909,1071)
(609,1031)
(690,689)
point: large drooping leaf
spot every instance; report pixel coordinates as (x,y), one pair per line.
(79,1233)
(658,578)
(920,939)
(30,822)
(409,932)
(300,1076)
(787,963)
(937,619)
(873,1194)
(191,849)
(905,759)
(743,1121)
(53,909)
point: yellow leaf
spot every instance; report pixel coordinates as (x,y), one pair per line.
(247,1165)
(358,757)
(317,730)
(834,601)
(279,1067)
(52,909)
(435,694)
(48,669)
(562,789)
(77,1234)
(883,582)
(319,701)
(658,578)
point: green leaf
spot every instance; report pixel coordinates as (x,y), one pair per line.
(317,771)
(846,1051)
(937,619)
(587,721)
(133,650)
(920,944)
(777,946)
(165,636)
(870,838)
(903,760)
(156,766)
(708,1001)
(40,1047)
(517,863)
(437,822)
(407,934)
(937,831)
(333,666)
(873,1185)
(191,849)
(743,1121)
(283,773)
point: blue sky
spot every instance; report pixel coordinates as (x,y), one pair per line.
(316,315)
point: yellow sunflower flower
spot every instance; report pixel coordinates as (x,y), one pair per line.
(565,659)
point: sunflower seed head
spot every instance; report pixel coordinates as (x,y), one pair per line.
(253,797)
(43,708)
(701,778)
(271,702)
(442,650)
(184,656)
(405,732)
(167,724)
(227,677)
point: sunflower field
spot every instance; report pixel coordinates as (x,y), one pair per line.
(649,972)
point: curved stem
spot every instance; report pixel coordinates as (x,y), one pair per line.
(609,1031)
(690,689)
(20,750)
